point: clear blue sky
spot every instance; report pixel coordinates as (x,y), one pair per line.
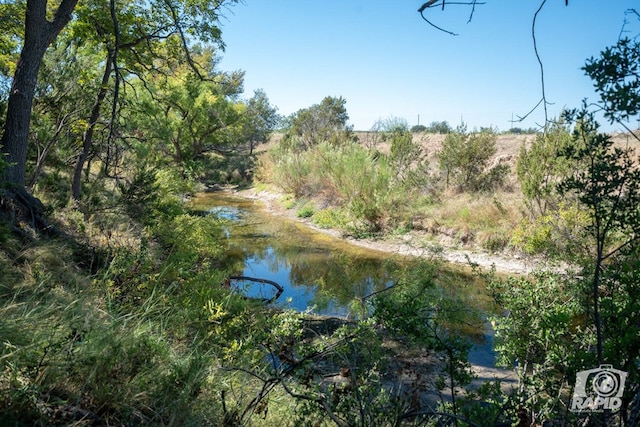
(387,62)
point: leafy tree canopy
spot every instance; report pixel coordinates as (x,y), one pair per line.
(326,121)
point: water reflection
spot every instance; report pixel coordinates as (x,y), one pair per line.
(318,274)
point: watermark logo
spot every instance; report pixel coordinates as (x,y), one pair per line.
(598,389)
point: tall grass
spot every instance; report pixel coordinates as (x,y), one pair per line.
(140,342)
(69,352)
(396,189)
(365,182)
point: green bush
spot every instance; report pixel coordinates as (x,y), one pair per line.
(464,161)
(305,211)
(540,168)
(330,218)
(556,234)
(364,182)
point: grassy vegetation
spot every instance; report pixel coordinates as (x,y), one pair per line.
(399,184)
(121,321)
(125,319)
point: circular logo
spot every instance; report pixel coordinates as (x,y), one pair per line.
(605,384)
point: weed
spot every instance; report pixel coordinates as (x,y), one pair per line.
(305,211)
(330,218)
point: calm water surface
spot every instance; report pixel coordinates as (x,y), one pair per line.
(322,274)
(319,273)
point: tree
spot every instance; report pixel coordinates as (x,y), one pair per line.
(539,168)
(405,155)
(616,78)
(182,115)
(464,159)
(167,17)
(609,187)
(130,46)
(39,33)
(540,339)
(260,118)
(439,127)
(326,121)
(64,93)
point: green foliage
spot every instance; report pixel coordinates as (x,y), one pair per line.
(3,163)
(259,119)
(558,234)
(427,315)
(83,353)
(356,178)
(620,310)
(189,234)
(12,29)
(185,116)
(464,161)
(324,122)
(305,211)
(609,189)
(520,131)
(330,218)
(375,190)
(609,185)
(545,334)
(407,157)
(616,77)
(540,167)
(439,127)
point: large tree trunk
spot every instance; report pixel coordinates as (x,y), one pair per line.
(39,33)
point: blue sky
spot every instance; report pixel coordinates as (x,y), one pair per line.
(387,62)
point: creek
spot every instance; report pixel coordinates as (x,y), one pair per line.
(319,273)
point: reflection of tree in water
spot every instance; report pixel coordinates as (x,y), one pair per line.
(342,277)
(333,276)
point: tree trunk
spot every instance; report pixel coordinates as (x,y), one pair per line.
(38,35)
(87,137)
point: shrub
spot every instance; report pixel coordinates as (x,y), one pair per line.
(305,211)
(540,168)
(330,218)
(556,233)
(464,160)
(366,183)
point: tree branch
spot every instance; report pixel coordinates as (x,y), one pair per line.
(434,3)
(535,49)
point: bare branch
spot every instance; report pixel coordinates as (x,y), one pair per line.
(535,49)
(522,118)
(434,3)
(435,26)
(473,9)
(617,120)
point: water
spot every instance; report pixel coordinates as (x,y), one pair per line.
(327,276)
(318,273)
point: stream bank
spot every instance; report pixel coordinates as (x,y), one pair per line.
(413,243)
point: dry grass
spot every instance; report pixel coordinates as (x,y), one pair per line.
(486,220)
